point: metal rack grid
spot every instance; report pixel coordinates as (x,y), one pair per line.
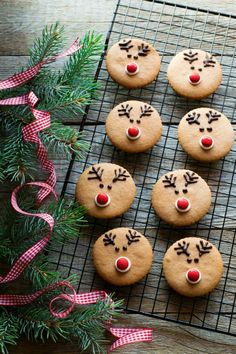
(170,28)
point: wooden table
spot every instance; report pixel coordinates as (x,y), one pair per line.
(20,22)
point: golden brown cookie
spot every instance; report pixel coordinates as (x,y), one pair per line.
(122,256)
(181,197)
(206,134)
(105,190)
(193,266)
(194,73)
(133,63)
(133,126)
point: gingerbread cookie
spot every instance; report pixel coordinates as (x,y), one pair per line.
(122,256)
(133,63)
(105,190)
(197,266)
(181,197)
(133,126)
(205,134)
(194,73)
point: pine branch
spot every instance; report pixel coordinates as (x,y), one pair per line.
(64,140)
(9,331)
(47,45)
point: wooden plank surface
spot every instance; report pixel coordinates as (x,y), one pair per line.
(20,22)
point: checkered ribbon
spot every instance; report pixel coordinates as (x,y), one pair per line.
(42,121)
(30,133)
(21,78)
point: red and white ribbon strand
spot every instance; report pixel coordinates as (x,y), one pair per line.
(24,260)
(21,78)
(30,133)
(130,335)
(125,335)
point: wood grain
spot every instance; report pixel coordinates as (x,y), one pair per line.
(20,22)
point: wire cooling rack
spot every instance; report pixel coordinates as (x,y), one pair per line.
(169,28)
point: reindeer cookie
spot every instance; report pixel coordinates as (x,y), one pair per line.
(133,126)
(122,256)
(133,63)
(206,134)
(197,266)
(181,197)
(194,73)
(105,190)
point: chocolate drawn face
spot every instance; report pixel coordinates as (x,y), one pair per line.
(105,190)
(133,52)
(122,256)
(202,247)
(206,134)
(181,197)
(198,65)
(170,181)
(205,126)
(197,266)
(103,199)
(133,126)
(194,73)
(133,63)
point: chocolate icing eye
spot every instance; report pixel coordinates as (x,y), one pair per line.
(209,129)
(131,120)
(109,187)
(185,191)
(201,130)
(176,192)
(192,67)
(196,260)
(124,248)
(138,121)
(200,69)
(129,56)
(117,249)
(189,260)
(101,185)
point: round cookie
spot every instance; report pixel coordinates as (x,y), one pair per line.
(193,266)
(122,256)
(181,197)
(105,190)
(133,63)
(205,134)
(133,126)
(194,73)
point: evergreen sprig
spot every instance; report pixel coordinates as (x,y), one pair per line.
(64,93)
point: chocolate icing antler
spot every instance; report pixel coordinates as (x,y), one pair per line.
(193,118)
(203,248)
(132,237)
(109,239)
(190,56)
(208,62)
(125,110)
(143,50)
(121,175)
(182,249)
(169,181)
(97,173)
(212,116)
(190,178)
(126,46)
(146,111)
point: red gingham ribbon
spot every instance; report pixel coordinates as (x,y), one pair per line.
(21,78)
(125,335)
(30,134)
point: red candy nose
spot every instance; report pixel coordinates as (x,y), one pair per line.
(193,276)
(206,142)
(102,200)
(194,78)
(182,204)
(133,133)
(132,68)
(123,264)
